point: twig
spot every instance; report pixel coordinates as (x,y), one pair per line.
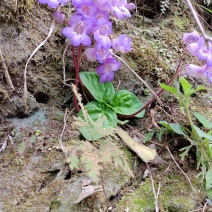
(205,205)
(66,115)
(64,65)
(4,92)
(205,22)
(153,189)
(194,13)
(25,69)
(166,113)
(4,145)
(153,93)
(9,81)
(181,170)
(16,5)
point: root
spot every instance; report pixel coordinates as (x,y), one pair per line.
(6,96)
(9,81)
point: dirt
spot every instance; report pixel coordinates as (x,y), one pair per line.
(34,175)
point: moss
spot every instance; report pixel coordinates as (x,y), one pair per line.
(141,200)
(10,12)
(146,62)
(175,195)
(181,23)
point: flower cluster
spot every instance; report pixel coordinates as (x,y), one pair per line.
(197,46)
(91,22)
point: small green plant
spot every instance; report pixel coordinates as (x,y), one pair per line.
(202,140)
(107,105)
(159,134)
(29,142)
(93,158)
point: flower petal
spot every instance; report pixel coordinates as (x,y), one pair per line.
(68,32)
(196,71)
(53,3)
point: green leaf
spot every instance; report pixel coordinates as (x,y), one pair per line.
(201,133)
(185,85)
(32,139)
(22,148)
(73,161)
(160,135)
(100,91)
(185,153)
(177,128)
(199,88)
(101,117)
(148,136)
(205,122)
(208,185)
(205,8)
(126,103)
(170,89)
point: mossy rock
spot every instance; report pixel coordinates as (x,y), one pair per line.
(175,195)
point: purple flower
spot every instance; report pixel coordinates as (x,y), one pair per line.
(101,32)
(209,75)
(106,70)
(197,47)
(199,71)
(59,17)
(98,53)
(122,44)
(78,3)
(88,11)
(196,71)
(118,8)
(102,5)
(204,52)
(78,30)
(191,37)
(53,3)
(130,6)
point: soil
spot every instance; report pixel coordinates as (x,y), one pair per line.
(34,173)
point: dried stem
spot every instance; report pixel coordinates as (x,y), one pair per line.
(76,106)
(181,170)
(64,65)
(25,69)
(66,115)
(9,81)
(4,92)
(153,189)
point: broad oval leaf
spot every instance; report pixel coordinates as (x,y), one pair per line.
(100,91)
(101,118)
(126,103)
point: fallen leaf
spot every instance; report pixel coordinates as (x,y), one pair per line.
(144,152)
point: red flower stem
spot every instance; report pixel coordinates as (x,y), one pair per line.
(76,106)
(161,91)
